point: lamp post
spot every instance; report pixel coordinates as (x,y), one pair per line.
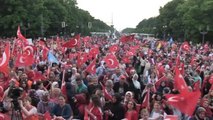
(164,35)
(204,32)
(154,28)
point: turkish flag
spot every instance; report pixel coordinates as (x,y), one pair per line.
(20,36)
(114,48)
(5,60)
(111,61)
(92,67)
(145,103)
(171,117)
(82,58)
(186,103)
(38,76)
(126,59)
(71,43)
(24,60)
(127,38)
(179,82)
(185,46)
(106,94)
(193,60)
(157,83)
(29,50)
(45,52)
(94,51)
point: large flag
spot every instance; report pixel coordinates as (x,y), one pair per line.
(111,61)
(179,82)
(73,42)
(186,103)
(92,67)
(24,60)
(129,38)
(52,58)
(20,36)
(4,62)
(114,48)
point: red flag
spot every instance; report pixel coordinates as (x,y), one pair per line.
(182,71)
(171,117)
(94,51)
(145,103)
(185,46)
(127,38)
(193,60)
(126,59)
(82,58)
(111,61)
(91,68)
(113,48)
(24,60)
(4,117)
(71,43)
(157,83)
(106,94)
(38,76)
(179,82)
(28,50)
(47,116)
(20,36)
(5,60)
(45,52)
(186,103)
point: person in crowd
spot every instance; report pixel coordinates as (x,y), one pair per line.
(26,107)
(93,111)
(200,114)
(144,114)
(81,87)
(121,86)
(61,111)
(131,113)
(157,112)
(45,105)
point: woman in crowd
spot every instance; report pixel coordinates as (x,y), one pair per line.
(61,111)
(93,111)
(26,107)
(131,113)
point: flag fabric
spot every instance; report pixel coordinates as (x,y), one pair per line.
(111,61)
(71,43)
(179,82)
(114,48)
(145,103)
(129,38)
(38,76)
(45,52)
(4,62)
(20,36)
(185,46)
(52,58)
(105,92)
(24,60)
(92,67)
(82,58)
(186,102)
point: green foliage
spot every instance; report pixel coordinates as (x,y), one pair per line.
(184,19)
(45,17)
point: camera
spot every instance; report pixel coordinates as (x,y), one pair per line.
(15,93)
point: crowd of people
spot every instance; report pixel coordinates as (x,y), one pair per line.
(94,78)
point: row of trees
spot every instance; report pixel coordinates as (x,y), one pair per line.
(181,19)
(46,18)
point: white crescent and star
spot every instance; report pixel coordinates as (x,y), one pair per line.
(21,59)
(3,59)
(93,67)
(75,42)
(28,48)
(111,61)
(173,99)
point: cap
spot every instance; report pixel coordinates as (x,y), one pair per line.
(122,77)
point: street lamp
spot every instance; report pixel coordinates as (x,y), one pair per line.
(204,32)
(154,28)
(164,27)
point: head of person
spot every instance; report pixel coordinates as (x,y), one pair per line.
(95,99)
(61,100)
(144,114)
(129,95)
(79,80)
(45,97)
(157,106)
(109,84)
(116,98)
(122,79)
(131,105)
(27,101)
(201,112)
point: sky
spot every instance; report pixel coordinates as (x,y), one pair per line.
(122,13)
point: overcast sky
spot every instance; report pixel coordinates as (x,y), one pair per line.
(123,13)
